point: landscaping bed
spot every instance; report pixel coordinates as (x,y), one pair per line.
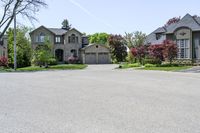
(163,67)
(53,67)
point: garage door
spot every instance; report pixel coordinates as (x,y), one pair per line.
(90,58)
(103,58)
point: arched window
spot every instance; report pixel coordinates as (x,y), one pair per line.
(73,39)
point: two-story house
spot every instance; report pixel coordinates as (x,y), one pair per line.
(3,47)
(186,34)
(67,43)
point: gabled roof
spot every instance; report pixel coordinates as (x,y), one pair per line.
(187,21)
(160,30)
(56,31)
(76,30)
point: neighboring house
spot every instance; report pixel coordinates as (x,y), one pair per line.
(66,43)
(186,34)
(3,47)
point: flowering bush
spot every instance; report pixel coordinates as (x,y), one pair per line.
(3,61)
(139,53)
(170,50)
(156,52)
(72,60)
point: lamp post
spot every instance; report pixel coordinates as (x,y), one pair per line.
(15,50)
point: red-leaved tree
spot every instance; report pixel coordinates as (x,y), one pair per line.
(139,53)
(156,52)
(170,50)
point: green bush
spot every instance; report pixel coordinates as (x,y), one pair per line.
(150,65)
(150,60)
(134,65)
(52,61)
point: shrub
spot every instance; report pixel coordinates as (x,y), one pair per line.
(139,53)
(134,65)
(72,60)
(3,61)
(149,60)
(150,65)
(52,61)
(156,52)
(130,58)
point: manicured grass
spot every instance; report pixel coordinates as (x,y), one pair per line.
(173,68)
(55,67)
(126,65)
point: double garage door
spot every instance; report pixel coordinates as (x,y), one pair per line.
(100,58)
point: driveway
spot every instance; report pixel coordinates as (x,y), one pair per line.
(100,99)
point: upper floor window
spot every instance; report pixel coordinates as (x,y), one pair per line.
(58,39)
(40,37)
(73,39)
(158,36)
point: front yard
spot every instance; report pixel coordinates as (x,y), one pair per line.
(137,66)
(54,67)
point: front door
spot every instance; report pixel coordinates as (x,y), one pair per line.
(59,55)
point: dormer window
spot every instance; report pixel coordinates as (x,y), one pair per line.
(73,39)
(158,36)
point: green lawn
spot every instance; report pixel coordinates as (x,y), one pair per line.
(173,68)
(153,67)
(55,67)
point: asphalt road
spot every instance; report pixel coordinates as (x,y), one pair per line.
(100,100)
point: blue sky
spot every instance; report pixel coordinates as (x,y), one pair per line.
(114,16)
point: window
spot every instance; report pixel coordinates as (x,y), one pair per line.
(184,48)
(73,53)
(40,38)
(58,39)
(73,39)
(158,36)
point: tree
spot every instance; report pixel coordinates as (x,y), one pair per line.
(172,21)
(129,39)
(156,52)
(118,47)
(66,25)
(139,53)
(139,38)
(170,50)
(99,38)
(25,8)
(134,39)
(42,55)
(24,51)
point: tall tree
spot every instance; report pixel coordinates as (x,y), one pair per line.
(139,38)
(66,25)
(99,38)
(118,47)
(129,39)
(23,47)
(26,8)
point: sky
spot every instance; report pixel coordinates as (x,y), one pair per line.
(113,16)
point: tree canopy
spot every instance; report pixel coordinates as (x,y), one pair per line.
(99,38)
(23,47)
(25,8)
